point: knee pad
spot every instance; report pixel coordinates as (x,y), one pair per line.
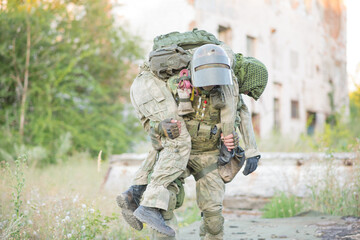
(213,222)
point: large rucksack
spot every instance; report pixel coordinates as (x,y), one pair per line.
(169,56)
(186,40)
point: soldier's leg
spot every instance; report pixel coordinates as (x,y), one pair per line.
(210,191)
(172,160)
(143,173)
(129,200)
(171,163)
(169,216)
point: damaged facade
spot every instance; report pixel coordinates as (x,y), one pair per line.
(302,43)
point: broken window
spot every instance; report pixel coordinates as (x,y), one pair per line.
(251,46)
(295,109)
(225,34)
(310,122)
(255,118)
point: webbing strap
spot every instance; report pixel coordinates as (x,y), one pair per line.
(184,99)
(205,171)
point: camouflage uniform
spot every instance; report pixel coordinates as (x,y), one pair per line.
(172,160)
(154,103)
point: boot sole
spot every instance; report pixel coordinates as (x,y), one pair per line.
(127,213)
(151,222)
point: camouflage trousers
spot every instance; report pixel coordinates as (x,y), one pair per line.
(210,190)
(170,164)
(154,103)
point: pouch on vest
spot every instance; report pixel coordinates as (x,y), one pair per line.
(166,62)
(230,169)
(217,98)
(184,91)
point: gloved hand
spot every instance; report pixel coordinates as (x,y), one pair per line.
(169,128)
(251,165)
(225,155)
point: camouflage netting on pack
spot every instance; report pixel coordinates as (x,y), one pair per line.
(186,40)
(251,74)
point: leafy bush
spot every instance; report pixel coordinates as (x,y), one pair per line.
(63,69)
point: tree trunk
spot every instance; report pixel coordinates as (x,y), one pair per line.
(26,81)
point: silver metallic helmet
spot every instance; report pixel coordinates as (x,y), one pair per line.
(210,66)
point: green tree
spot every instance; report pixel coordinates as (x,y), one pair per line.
(63,65)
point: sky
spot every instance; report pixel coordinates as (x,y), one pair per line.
(353,42)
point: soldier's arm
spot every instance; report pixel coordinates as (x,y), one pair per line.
(246,130)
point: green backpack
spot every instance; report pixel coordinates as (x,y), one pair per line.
(186,40)
(169,56)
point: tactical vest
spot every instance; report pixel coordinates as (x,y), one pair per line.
(206,123)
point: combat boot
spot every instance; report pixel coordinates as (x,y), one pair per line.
(153,218)
(129,201)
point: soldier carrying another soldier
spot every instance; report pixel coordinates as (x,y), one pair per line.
(187,98)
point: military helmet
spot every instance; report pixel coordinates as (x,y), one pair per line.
(210,66)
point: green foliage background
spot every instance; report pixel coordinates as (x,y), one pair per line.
(78,64)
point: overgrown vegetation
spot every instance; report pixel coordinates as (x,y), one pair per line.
(337,194)
(334,193)
(66,201)
(282,205)
(59,202)
(63,65)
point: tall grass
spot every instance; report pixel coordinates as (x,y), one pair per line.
(336,194)
(332,194)
(61,201)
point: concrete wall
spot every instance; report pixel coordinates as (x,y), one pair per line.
(302,43)
(293,173)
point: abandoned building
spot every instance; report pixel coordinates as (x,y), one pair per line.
(302,43)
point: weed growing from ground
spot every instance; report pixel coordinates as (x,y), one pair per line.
(282,205)
(336,194)
(12,227)
(188,213)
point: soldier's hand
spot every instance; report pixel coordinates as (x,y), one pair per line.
(169,128)
(251,165)
(231,141)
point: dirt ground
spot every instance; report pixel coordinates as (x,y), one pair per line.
(307,226)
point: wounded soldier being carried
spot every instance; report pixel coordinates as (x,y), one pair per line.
(188,98)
